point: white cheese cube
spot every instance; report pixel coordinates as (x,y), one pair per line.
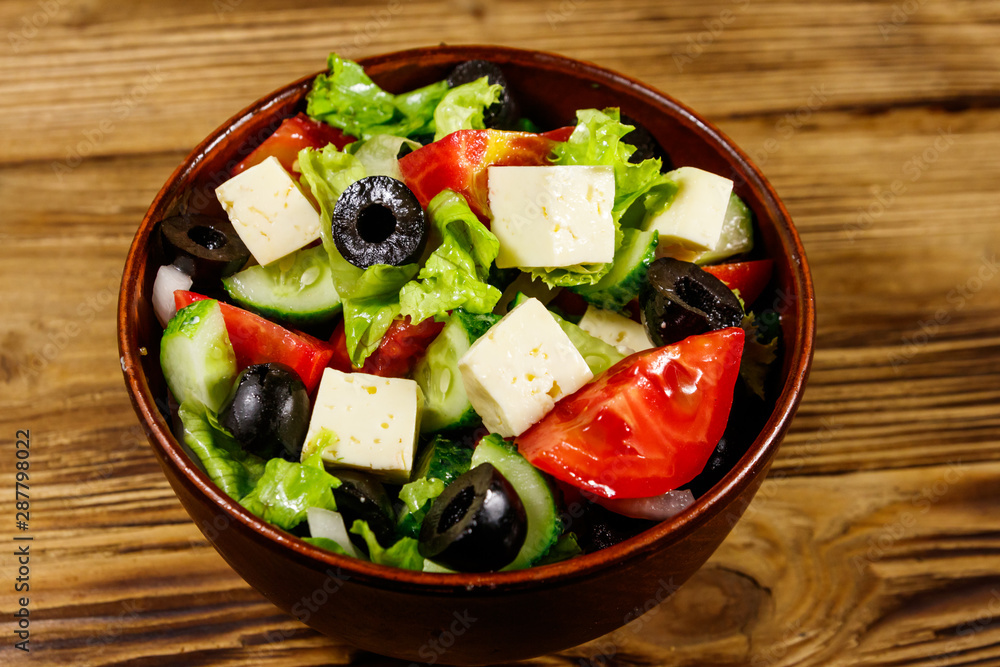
(375,421)
(695,216)
(552,216)
(517,371)
(627,335)
(269,211)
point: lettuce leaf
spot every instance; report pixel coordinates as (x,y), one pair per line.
(346,97)
(378,154)
(370,296)
(326,543)
(286,490)
(455,275)
(231,468)
(463,106)
(403,553)
(596,141)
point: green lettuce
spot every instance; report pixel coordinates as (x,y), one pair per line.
(231,468)
(597,141)
(345,97)
(402,554)
(370,296)
(463,106)
(326,543)
(287,489)
(456,272)
(378,154)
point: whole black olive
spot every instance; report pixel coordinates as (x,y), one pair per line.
(646,145)
(378,220)
(502,113)
(478,524)
(268,411)
(361,496)
(680,299)
(205,248)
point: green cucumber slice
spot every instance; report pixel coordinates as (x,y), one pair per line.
(446,405)
(628,271)
(196,356)
(297,289)
(544,526)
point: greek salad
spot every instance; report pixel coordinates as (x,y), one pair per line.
(421,330)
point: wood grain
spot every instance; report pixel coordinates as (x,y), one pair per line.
(876,539)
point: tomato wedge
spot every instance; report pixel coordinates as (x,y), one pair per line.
(399,351)
(258,341)
(750,278)
(459,162)
(293,135)
(647,425)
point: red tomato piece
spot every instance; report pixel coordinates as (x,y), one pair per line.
(459,162)
(256,340)
(750,278)
(293,135)
(399,351)
(647,425)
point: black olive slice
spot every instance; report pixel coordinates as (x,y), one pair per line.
(502,113)
(267,411)
(478,524)
(646,145)
(680,299)
(205,248)
(378,220)
(361,496)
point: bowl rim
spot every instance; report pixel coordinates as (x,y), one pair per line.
(721,495)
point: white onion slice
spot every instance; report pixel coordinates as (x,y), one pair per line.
(329,524)
(168,279)
(657,508)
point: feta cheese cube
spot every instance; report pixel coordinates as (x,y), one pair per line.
(375,421)
(627,335)
(552,216)
(517,371)
(695,216)
(269,211)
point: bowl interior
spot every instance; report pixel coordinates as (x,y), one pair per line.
(550,89)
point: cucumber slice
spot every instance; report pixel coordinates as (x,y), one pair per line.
(628,271)
(196,356)
(297,289)
(544,526)
(442,459)
(599,355)
(446,405)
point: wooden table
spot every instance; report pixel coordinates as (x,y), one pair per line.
(876,539)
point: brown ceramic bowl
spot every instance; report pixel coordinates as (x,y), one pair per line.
(471,618)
